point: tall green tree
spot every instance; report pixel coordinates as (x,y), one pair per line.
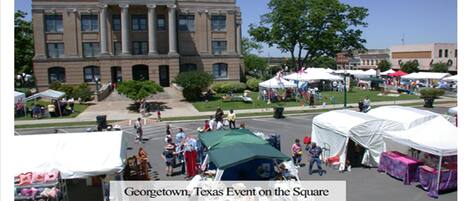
(310,29)
(248,46)
(410,66)
(24,45)
(323,62)
(254,64)
(440,67)
(384,65)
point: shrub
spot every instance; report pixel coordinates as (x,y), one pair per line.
(194,83)
(431,93)
(76,91)
(82,91)
(253,84)
(138,90)
(226,87)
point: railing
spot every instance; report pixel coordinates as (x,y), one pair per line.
(104,92)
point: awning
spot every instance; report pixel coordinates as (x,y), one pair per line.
(52,94)
(75,155)
(453,78)
(390,71)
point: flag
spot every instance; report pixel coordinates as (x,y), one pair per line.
(279,75)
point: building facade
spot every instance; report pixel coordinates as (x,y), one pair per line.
(371,58)
(80,41)
(426,55)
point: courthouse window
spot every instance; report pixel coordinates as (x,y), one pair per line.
(220,70)
(218,47)
(161,23)
(55,50)
(91,73)
(90,49)
(56,74)
(187,67)
(218,22)
(89,23)
(117,48)
(186,23)
(116,22)
(140,48)
(54,23)
(139,22)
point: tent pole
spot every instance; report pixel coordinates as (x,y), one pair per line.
(439,174)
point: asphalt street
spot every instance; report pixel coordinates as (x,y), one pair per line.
(363,184)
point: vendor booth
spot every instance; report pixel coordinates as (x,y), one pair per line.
(70,156)
(436,137)
(240,155)
(408,117)
(336,130)
(453,78)
(426,75)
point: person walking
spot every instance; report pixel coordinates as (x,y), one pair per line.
(158,115)
(314,157)
(219,115)
(168,133)
(71,103)
(168,157)
(296,152)
(138,128)
(232,119)
(311,98)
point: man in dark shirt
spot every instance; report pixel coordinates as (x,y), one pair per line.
(314,153)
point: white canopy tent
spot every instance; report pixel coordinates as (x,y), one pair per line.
(390,71)
(425,75)
(75,155)
(20,97)
(312,75)
(453,78)
(275,83)
(437,137)
(333,130)
(51,94)
(408,117)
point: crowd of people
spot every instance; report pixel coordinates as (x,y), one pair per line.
(55,108)
(184,150)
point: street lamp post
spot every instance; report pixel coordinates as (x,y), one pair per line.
(345,88)
(96,81)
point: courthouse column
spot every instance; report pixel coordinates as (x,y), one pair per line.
(125,28)
(103,29)
(152,29)
(172,30)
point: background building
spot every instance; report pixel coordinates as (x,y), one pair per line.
(426,55)
(80,41)
(371,58)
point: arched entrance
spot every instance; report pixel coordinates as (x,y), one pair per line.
(140,72)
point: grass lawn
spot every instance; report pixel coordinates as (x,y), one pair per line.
(352,98)
(79,108)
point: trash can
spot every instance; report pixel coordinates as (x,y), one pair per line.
(278,112)
(101,121)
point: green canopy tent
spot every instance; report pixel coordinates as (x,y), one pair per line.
(230,148)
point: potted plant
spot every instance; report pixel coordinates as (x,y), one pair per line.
(429,95)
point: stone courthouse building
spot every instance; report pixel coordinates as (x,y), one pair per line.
(80,41)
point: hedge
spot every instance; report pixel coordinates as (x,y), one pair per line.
(253,84)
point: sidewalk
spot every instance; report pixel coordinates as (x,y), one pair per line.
(184,111)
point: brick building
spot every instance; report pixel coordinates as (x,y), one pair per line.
(80,41)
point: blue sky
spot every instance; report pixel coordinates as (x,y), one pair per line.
(421,21)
